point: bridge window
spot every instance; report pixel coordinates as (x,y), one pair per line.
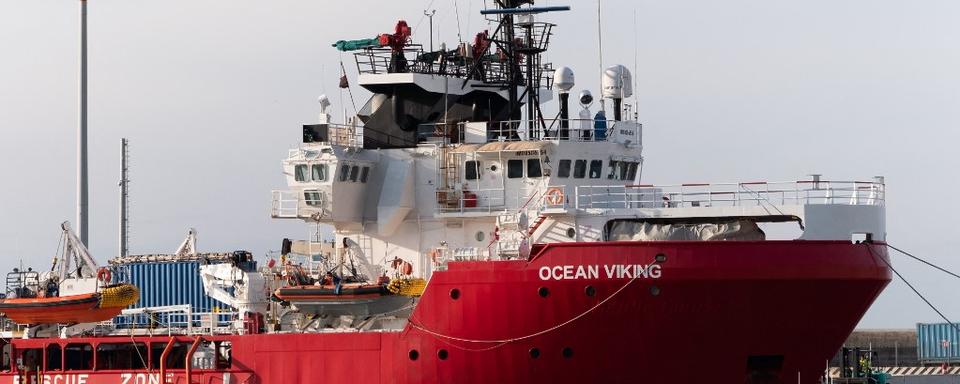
(364,173)
(533,168)
(54,357)
(311,198)
(514,169)
(354,172)
(613,169)
(472,170)
(580,169)
(300,172)
(319,172)
(344,172)
(632,171)
(78,357)
(563,170)
(596,166)
(122,356)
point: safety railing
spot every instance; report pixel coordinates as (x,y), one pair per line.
(172,320)
(805,192)
(292,204)
(577,130)
(345,135)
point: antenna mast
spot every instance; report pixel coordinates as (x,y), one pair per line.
(600,49)
(124,196)
(82,203)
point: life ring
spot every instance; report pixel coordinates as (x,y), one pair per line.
(554,196)
(103,274)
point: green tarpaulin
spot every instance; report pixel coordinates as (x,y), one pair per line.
(353,45)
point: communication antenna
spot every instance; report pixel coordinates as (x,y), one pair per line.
(82,200)
(430,15)
(600,47)
(124,197)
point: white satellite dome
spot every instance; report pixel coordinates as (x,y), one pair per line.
(617,82)
(563,79)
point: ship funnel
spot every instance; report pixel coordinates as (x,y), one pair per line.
(563,79)
(617,84)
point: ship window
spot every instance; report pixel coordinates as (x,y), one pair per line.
(564,169)
(344,170)
(320,172)
(625,170)
(364,174)
(176,358)
(311,198)
(580,169)
(354,172)
(300,173)
(122,356)
(533,168)
(54,357)
(5,364)
(472,170)
(596,166)
(78,357)
(224,355)
(632,172)
(514,169)
(32,359)
(613,169)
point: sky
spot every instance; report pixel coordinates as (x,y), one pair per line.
(212,93)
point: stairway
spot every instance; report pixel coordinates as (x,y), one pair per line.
(535,225)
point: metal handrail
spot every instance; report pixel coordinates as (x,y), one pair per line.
(731,194)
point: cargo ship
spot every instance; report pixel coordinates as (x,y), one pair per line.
(477,239)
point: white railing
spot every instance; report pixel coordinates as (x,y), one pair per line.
(171,320)
(345,135)
(731,194)
(579,130)
(292,204)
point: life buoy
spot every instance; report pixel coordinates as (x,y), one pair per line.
(103,274)
(554,196)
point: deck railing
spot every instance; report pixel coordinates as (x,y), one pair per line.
(803,192)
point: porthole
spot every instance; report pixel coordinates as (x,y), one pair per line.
(543,292)
(442,354)
(534,352)
(480,235)
(590,291)
(414,355)
(493,168)
(567,352)
(654,290)
(571,232)
(660,258)
(454,293)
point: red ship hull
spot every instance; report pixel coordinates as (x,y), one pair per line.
(718,312)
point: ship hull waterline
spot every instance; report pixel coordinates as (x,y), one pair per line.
(720,312)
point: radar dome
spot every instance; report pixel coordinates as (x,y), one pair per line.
(563,79)
(617,82)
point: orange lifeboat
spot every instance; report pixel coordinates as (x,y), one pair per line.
(71,309)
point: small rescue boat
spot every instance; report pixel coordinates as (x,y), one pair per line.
(71,309)
(73,291)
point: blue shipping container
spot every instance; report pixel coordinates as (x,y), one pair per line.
(938,343)
(165,284)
